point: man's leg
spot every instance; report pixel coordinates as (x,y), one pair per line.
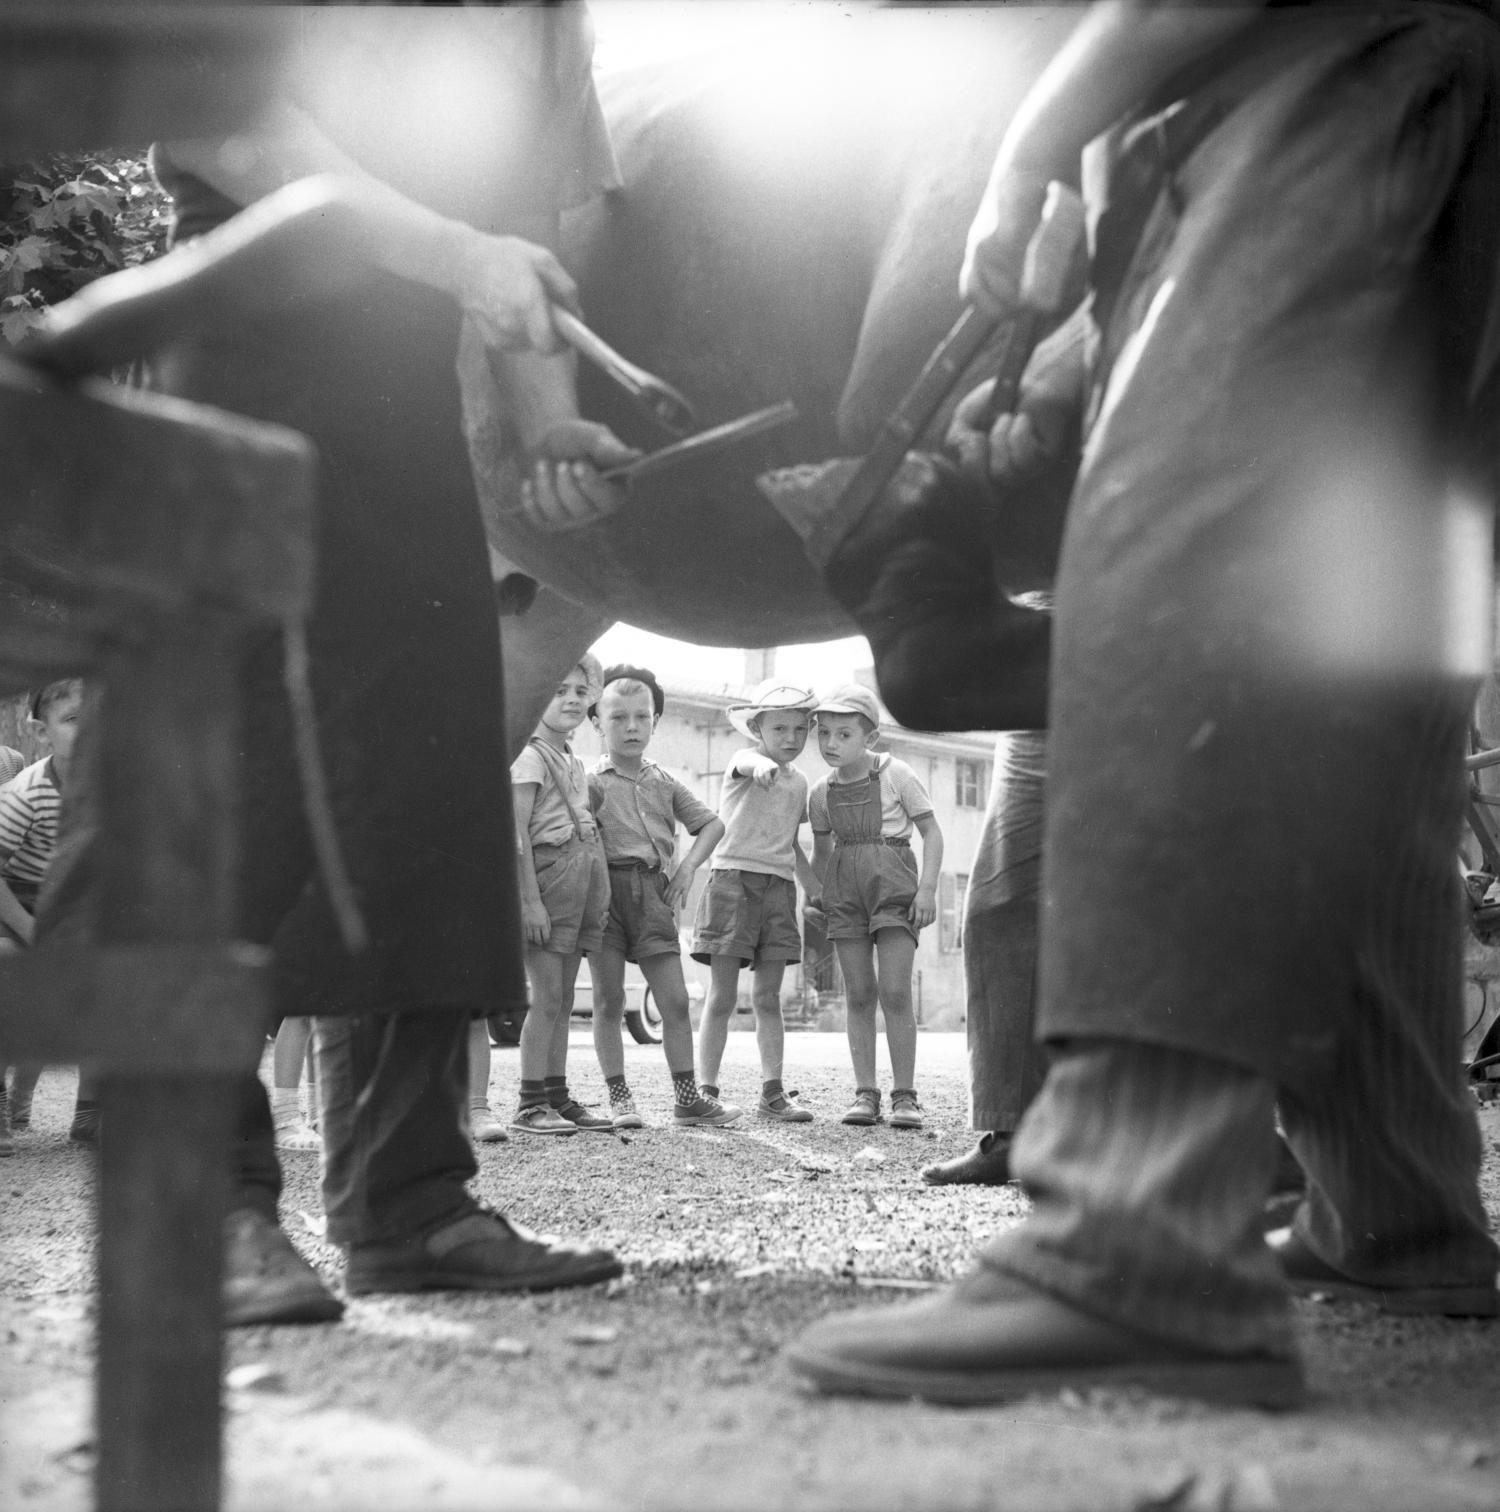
(1006,1062)
(1390,1141)
(1127,1148)
(397,1165)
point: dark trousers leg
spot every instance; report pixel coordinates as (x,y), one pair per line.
(396,1158)
(1006,1064)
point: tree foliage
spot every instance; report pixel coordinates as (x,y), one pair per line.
(67,220)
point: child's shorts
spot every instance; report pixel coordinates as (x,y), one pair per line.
(641,922)
(752,915)
(575,892)
(869,887)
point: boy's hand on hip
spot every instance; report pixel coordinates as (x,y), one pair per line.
(564,489)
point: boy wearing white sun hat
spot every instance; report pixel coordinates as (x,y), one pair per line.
(747,915)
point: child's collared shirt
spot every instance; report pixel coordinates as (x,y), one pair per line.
(638,816)
(760,824)
(28,826)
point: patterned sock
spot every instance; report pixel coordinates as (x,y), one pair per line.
(618,1091)
(557,1090)
(708,1089)
(286,1108)
(684,1089)
(533,1094)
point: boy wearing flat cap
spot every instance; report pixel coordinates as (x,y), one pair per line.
(862,816)
(747,915)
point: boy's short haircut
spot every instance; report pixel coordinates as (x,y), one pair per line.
(640,679)
(50,693)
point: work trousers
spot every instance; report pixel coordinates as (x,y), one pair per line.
(1270,619)
(1006,1061)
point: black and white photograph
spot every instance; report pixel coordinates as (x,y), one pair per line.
(749,756)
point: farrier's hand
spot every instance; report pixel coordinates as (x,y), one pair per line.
(508,286)
(563,489)
(1016,447)
(1008,215)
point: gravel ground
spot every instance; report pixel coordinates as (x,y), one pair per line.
(665,1390)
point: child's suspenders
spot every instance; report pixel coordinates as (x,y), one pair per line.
(559,770)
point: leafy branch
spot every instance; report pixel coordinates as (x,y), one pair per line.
(67,220)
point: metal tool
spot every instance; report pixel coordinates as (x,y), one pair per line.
(824,524)
(655,395)
(705,443)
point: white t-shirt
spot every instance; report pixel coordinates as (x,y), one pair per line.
(902,799)
(760,824)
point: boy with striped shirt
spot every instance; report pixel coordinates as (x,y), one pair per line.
(29,805)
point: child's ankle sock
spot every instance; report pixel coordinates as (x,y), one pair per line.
(556,1088)
(618,1091)
(771,1090)
(286,1106)
(533,1094)
(709,1089)
(684,1089)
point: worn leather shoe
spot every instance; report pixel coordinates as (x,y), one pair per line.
(266,1280)
(991,1338)
(987,1164)
(479,1251)
(1306,1273)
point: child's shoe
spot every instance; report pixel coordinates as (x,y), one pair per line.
(622,1111)
(906,1111)
(865,1109)
(783,1108)
(706,1110)
(584,1118)
(539,1118)
(484,1127)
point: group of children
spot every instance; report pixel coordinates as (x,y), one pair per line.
(600,876)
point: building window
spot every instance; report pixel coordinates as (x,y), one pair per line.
(971,783)
(953,887)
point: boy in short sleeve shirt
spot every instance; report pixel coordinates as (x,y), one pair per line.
(638,807)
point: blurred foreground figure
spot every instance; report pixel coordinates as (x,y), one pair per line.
(1271,615)
(445,144)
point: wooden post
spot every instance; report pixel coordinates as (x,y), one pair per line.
(170,733)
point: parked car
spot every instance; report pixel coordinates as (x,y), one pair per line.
(642,1018)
